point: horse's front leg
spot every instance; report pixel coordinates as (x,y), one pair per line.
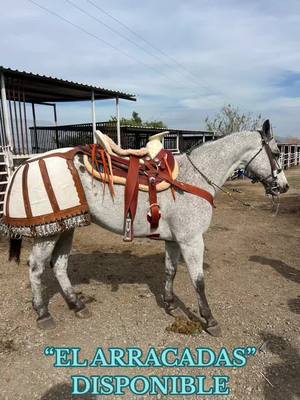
(192,253)
(39,258)
(59,262)
(171,261)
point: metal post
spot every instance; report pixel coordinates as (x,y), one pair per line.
(55,123)
(7,131)
(8,134)
(118,121)
(94,116)
(34,128)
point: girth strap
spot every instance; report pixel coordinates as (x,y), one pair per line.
(153,215)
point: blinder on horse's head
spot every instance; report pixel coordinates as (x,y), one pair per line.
(271,181)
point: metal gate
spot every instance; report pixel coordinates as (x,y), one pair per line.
(4,171)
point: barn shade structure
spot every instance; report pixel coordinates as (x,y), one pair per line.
(19,88)
(20,136)
(20,92)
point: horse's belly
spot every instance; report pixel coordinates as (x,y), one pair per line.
(108,212)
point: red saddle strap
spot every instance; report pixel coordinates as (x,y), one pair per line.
(195,190)
(153,215)
(131,191)
(186,187)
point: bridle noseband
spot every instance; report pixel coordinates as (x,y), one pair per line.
(275,167)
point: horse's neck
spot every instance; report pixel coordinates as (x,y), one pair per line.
(218,160)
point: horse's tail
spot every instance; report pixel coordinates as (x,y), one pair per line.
(15,246)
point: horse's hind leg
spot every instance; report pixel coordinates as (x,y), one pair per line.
(192,253)
(39,258)
(171,261)
(59,262)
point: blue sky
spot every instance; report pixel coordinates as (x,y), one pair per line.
(246,53)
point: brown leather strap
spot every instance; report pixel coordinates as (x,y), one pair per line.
(195,190)
(132,188)
(77,182)
(153,215)
(27,205)
(186,187)
(48,186)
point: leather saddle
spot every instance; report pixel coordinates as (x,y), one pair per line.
(142,169)
(152,169)
(153,152)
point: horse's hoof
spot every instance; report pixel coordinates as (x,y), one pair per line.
(214,330)
(84,313)
(46,323)
(176,312)
(169,306)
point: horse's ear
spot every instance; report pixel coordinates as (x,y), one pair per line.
(266,129)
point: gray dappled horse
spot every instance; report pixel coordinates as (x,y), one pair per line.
(183,222)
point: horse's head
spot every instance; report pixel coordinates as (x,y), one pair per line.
(264,166)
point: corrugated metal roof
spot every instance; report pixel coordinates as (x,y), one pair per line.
(42,88)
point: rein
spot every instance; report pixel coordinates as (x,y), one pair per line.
(214,185)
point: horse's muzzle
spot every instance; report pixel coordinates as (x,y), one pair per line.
(276,190)
(285,188)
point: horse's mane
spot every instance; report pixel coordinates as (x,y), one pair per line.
(200,143)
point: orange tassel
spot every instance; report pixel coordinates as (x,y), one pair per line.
(111,176)
(94,151)
(106,169)
(102,153)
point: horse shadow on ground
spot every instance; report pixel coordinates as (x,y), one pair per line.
(62,391)
(290,273)
(294,305)
(115,270)
(283,376)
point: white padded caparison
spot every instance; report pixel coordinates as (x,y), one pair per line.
(16,203)
(38,197)
(62,182)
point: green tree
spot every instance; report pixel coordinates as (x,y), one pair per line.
(136,120)
(231,119)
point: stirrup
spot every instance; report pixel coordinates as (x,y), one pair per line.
(128,234)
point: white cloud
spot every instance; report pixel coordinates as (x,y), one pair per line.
(237,52)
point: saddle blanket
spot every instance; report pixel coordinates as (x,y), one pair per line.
(45,196)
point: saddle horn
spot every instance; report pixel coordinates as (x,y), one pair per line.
(154,144)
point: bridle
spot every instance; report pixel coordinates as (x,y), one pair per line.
(271,186)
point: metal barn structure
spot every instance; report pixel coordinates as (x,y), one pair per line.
(44,138)
(20,136)
(20,93)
